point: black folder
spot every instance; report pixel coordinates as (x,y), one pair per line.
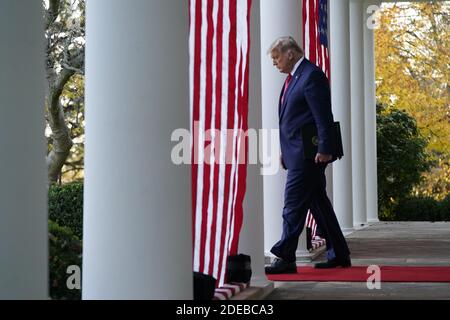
(311,141)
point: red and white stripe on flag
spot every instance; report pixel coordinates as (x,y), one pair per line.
(315,35)
(219,43)
(311,223)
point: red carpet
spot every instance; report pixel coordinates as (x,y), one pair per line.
(359,274)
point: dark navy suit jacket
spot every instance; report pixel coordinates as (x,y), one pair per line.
(307,100)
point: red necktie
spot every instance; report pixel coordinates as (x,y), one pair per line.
(286,85)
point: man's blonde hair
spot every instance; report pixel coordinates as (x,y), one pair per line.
(284,44)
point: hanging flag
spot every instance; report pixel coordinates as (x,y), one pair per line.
(219,61)
(315,33)
(315,44)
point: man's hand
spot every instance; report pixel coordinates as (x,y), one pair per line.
(320,157)
(281,162)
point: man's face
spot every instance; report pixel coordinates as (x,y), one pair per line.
(281,61)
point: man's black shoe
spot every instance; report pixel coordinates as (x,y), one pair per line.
(281,266)
(333,264)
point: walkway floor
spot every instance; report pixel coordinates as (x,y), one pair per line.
(383,243)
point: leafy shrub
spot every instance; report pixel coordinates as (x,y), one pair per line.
(66,206)
(445,208)
(423,209)
(418,209)
(401,157)
(65,250)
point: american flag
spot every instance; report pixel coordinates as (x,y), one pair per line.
(311,223)
(315,38)
(315,44)
(219,61)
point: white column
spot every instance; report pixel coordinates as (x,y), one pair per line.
(23,199)
(251,240)
(278,18)
(137,213)
(370,118)
(329,179)
(340,99)
(357,112)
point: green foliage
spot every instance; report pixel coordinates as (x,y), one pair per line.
(66,206)
(423,209)
(417,209)
(445,208)
(402,157)
(65,232)
(65,250)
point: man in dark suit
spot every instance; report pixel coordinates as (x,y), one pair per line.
(304,99)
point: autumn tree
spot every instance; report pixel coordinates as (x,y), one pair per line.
(412,73)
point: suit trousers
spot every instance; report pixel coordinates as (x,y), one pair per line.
(306,189)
